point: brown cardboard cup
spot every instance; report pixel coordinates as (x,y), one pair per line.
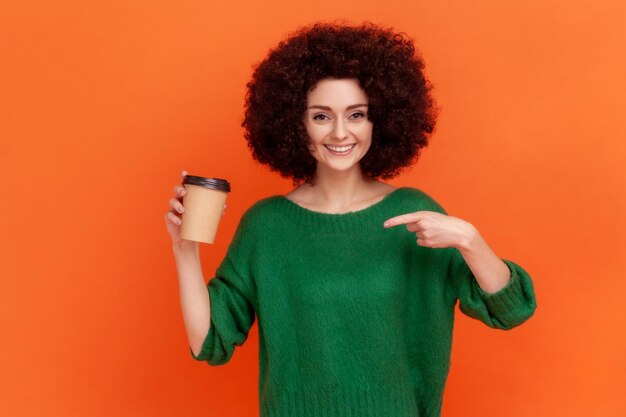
(204,206)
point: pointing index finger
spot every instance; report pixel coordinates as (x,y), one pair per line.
(402,219)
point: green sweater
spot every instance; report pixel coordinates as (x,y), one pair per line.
(353,319)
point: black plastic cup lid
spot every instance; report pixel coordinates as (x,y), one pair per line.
(214,183)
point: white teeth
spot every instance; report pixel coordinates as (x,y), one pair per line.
(341,149)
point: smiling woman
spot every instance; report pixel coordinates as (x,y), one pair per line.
(355,317)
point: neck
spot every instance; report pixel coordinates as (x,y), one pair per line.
(341,189)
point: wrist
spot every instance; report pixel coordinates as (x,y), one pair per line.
(469,240)
(185,246)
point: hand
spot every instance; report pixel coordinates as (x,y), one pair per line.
(173,218)
(436,230)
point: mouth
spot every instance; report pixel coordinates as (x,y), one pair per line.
(340,150)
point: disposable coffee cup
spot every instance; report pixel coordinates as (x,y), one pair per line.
(204,206)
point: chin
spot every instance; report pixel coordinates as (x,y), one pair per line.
(340,168)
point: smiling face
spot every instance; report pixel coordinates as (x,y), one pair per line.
(336,121)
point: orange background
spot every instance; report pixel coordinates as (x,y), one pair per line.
(102,104)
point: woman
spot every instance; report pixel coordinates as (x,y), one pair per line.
(355,315)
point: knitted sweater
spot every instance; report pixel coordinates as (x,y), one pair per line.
(353,319)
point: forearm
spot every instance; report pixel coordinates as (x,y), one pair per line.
(491,273)
(194,297)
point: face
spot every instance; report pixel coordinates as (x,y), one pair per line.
(336,121)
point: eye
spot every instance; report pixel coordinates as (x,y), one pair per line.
(318,116)
(359,115)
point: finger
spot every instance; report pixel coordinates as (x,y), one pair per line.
(413,227)
(173,218)
(179,190)
(176,205)
(182,174)
(403,219)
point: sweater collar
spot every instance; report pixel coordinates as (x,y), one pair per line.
(369,218)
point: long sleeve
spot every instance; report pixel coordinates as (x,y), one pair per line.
(232,295)
(505,309)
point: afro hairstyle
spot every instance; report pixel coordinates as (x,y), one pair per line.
(387,67)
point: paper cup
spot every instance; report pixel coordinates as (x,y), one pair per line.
(204,206)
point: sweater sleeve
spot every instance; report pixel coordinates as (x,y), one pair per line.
(505,309)
(232,295)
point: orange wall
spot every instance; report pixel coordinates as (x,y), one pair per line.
(102,104)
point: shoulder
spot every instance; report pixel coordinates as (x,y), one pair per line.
(418,199)
(261,212)
(263,205)
(254,223)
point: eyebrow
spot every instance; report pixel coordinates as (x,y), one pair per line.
(354,106)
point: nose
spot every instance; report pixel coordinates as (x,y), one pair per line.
(340,132)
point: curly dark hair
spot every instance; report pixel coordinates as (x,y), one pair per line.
(387,67)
